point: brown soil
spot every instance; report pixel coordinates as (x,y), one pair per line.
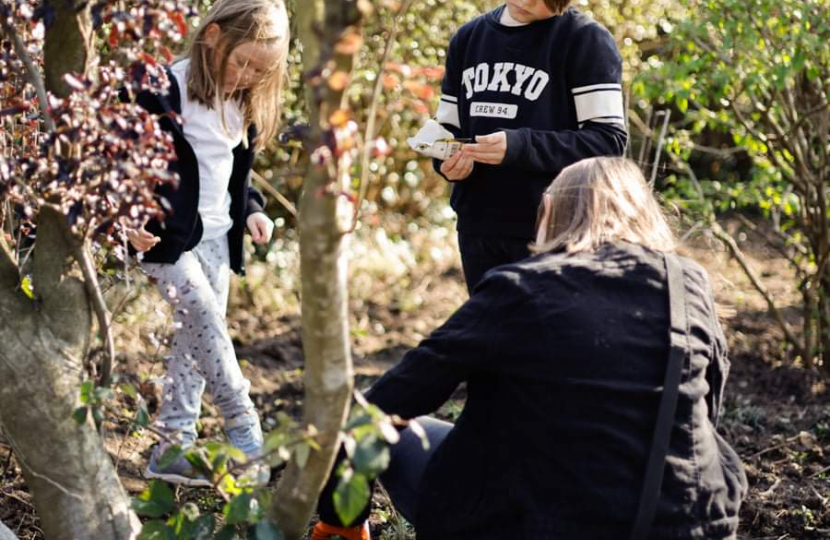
(777,414)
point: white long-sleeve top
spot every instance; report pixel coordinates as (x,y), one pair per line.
(213,142)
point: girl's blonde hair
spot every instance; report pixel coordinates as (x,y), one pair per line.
(241,21)
(597,201)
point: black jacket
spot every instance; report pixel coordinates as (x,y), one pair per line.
(553,86)
(564,359)
(181,229)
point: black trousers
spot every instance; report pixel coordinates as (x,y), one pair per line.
(480,253)
(408,462)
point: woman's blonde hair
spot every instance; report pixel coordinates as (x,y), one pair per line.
(242,21)
(597,201)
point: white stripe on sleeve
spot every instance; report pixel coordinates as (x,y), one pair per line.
(605,86)
(448,113)
(451,99)
(600,104)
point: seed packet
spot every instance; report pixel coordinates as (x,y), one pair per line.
(432,140)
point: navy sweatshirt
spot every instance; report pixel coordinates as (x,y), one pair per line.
(553,86)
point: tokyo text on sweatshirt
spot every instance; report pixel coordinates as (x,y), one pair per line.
(553,86)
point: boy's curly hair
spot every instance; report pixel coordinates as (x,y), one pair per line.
(557,6)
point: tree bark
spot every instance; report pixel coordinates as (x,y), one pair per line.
(68,46)
(323,208)
(43,343)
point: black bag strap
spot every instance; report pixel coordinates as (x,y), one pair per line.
(668,402)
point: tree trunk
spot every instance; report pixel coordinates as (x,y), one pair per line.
(328,364)
(68,47)
(43,345)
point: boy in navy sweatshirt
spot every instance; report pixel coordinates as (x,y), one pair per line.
(536,84)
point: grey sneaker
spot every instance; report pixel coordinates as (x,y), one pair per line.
(178,472)
(245,432)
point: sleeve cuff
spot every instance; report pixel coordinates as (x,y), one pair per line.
(516,144)
(256,202)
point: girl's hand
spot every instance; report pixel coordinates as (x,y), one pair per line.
(457,167)
(142,240)
(489,149)
(261,227)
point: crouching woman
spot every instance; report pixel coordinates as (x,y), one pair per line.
(567,358)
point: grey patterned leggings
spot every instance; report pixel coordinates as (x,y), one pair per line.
(202,353)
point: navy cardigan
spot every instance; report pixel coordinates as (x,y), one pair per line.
(181,228)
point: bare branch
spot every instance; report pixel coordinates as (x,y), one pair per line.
(32,73)
(99,306)
(730,243)
(9,274)
(369,135)
(274,193)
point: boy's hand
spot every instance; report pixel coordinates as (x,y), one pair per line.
(457,167)
(142,240)
(489,149)
(261,227)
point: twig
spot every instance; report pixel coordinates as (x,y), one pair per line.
(730,243)
(99,305)
(274,193)
(820,472)
(155,431)
(769,449)
(821,497)
(768,492)
(31,71)
(660,139)
(8,461)
(369,135)
(18,498)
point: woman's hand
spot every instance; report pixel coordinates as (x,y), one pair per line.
(261,227)
(457,167)
(141,240)
(489,149)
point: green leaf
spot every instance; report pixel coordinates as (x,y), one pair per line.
(371,457)
(142,417)
(87,389)
(155,501)
(265,530)
(26,287)
(156,530)
(173,452)
(357,421)
(351,496)
(129,390)
(97,415)
(202,528)
(190,511)
(239,509)
(228,532)
(80,415)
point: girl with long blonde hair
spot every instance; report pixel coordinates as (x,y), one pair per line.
(225,92)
